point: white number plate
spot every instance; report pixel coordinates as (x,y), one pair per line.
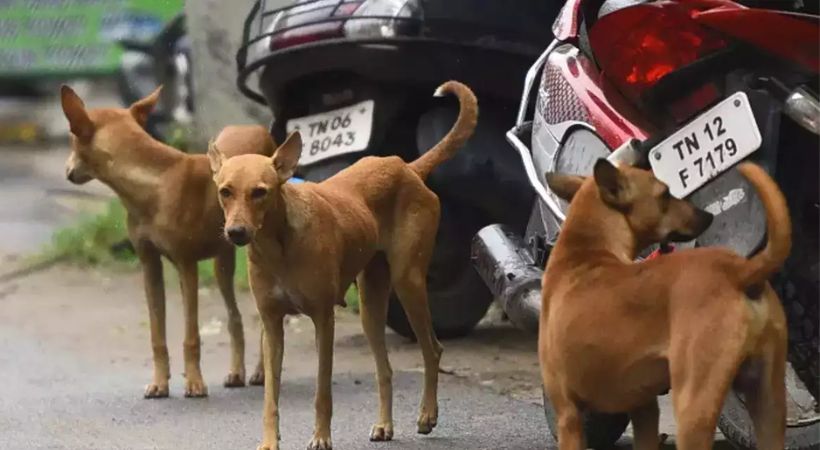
(333,133)
(709,145)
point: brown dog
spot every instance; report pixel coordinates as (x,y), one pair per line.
(173,211)
(614,334)
(375,221)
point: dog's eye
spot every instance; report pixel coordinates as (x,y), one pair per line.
(225,193)
(258,193)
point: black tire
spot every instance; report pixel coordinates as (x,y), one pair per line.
(797,285)
(736,425)
(799,294)
(457,296)
(602,431)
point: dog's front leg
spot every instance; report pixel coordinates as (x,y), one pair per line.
(155,296)
(570,423)
(323,321)
(194,384)
(273,349)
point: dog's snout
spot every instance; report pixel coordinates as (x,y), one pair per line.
(76,176)
(238,235)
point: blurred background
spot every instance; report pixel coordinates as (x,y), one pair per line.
(111,52)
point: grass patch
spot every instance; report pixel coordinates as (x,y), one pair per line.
(207,276)
(89,241)
(352,298)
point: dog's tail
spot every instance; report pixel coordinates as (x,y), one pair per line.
(765,263)
(457,136)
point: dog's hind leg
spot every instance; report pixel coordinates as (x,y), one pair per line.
(189,279)
(701,372)
(411,287)
(645,426)
(374,291)
(224,267)
(155,296)
(257,378)
(766,397)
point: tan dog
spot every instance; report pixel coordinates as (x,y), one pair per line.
(375,221)
(615,334)
(173,211)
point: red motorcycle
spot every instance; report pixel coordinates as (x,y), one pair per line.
(688,89)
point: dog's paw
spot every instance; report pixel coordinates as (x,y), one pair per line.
(234,380)
(257,378)
(154,390)
(320,443)
(427,421)
(195,389)
(381,432)
(268,447)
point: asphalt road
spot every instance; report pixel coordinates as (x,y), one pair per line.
(74,356)
(49,400)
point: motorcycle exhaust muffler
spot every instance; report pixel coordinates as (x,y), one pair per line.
(505,265)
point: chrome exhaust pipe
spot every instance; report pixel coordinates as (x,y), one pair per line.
(502,260)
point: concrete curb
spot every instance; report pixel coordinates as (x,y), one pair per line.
(30,268)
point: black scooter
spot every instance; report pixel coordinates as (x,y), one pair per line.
(357,77)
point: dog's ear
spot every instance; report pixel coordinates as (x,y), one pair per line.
(564,186)
(74,110)
(215,157)
(141,109)
(612,184)
(287,156)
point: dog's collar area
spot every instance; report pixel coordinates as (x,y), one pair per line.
(664,248)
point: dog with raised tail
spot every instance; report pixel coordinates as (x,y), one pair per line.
(614,333)
(374,222)
(173,211)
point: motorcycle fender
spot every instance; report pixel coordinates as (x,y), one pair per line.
(740,220)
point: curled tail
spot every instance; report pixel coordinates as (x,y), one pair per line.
(458,134)
(765,263)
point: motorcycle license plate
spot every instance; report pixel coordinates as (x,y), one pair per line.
(333,133)
(709,145)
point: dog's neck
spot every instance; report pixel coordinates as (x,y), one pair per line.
(275,232)
(135,169)
(592,227)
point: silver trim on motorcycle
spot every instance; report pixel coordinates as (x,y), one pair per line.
(523,151)
(529,168)
(532,74)
(804,109)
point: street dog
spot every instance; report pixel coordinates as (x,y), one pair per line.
(614,334)
(173,211)
(375,221)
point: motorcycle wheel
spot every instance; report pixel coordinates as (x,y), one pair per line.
(802,431)
(457,297)
(797,286)
(799,294)
(602,431)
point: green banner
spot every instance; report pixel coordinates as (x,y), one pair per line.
(64,38)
